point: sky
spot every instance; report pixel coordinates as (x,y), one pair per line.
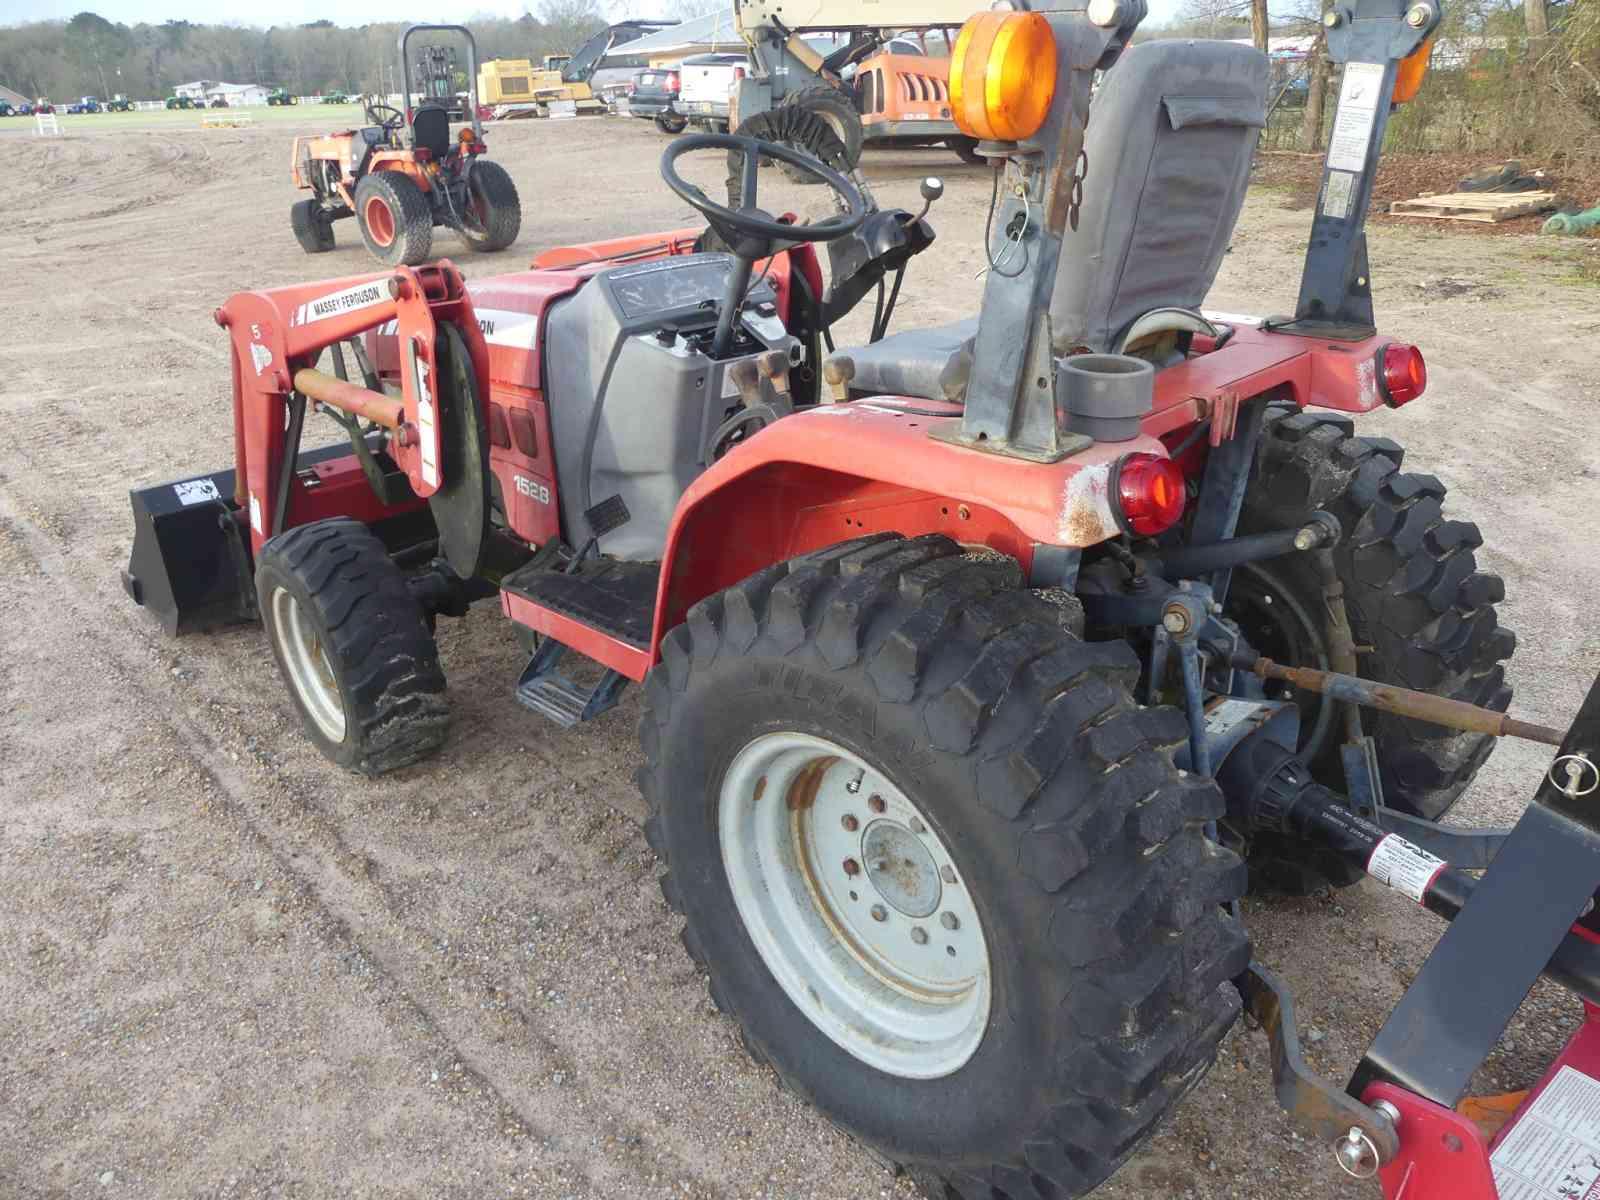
(295,12)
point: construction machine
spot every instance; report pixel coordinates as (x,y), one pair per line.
(874,87)
(984,665)
(403,174)
(574,77)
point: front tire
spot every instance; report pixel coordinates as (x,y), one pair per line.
(1030,864)
(312,229)
(395,218)
(353,645)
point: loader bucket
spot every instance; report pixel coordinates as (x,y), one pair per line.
(190,564)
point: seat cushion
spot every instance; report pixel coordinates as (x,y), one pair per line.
(932,363)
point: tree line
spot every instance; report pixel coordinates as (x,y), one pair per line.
(89,55)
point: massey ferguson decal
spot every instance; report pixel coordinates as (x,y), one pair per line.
(362,295)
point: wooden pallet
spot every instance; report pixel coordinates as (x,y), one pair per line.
(1488,207)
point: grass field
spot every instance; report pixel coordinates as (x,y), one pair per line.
(259,114)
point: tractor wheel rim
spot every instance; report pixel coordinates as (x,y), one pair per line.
(380,221)
(855,905)
(305,661)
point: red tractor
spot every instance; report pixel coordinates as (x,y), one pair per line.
(984,666)
(403,173)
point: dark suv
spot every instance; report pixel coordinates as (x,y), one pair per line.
(654,97)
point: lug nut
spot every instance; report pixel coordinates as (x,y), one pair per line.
(876,803)
(917,826)
(879,913)
(850,823)
(948,874)
(919,935)
(949,920)
(852,867)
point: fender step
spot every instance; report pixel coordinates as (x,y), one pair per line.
(544,689)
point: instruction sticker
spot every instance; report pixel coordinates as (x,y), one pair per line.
(1553,1151)
(196,491)
(336,304)
(1405,867)
(261,356)
(1336,195)
(1359,96)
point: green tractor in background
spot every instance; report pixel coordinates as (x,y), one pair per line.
(278,97)
(185,102)
(119,103)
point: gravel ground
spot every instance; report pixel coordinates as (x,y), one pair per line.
(227,970)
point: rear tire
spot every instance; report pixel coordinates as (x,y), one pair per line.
(395,218)
(353,645)
(496,206)
(836,111)
(311,228)
(1413,594)
(1019,774)
(668,123)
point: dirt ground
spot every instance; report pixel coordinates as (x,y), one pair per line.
(227,970)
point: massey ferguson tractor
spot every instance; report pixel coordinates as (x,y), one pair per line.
(985,666)
(404,173)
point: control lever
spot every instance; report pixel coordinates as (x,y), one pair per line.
(774,368)
(932,188)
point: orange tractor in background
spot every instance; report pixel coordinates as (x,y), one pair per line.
(404,173)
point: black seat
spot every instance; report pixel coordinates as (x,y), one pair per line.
(430,130)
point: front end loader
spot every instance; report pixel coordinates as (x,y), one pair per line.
(403,174)
(984,666)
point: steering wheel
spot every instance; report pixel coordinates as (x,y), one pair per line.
(748,231)
(392,123)
(748,226)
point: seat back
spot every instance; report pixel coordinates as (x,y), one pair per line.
(1169,142)
(430,129)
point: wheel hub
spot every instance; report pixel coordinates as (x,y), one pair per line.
(900,867)
(855,905)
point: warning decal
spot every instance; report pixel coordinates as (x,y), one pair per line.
(1408,869)
(1553,1151)
(196,491)
(1359,95)
(1336,196)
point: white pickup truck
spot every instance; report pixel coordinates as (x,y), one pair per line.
(706,82)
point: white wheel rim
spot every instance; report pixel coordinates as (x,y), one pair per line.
(855,905)
(306,663)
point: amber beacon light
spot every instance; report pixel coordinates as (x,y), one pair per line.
(1003,75)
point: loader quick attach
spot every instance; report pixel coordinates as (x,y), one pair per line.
(985,665)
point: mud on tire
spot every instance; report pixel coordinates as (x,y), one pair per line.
(331,588)
(1413,591)
(1080,845)
(833,108)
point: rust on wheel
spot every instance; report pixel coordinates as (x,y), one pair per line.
(379,219)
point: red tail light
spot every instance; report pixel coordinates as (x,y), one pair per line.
(673,83)
(1404,373)
(738,73)
(1148,493)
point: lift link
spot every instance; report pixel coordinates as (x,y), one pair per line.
(1420,706)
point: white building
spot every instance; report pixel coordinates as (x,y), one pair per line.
(237,95)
